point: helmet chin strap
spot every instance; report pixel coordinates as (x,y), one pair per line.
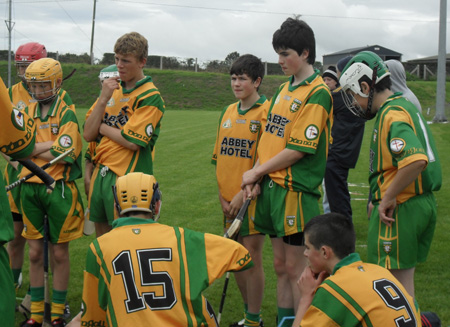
(47,100)
(369,114)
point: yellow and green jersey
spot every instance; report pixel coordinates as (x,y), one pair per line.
(60,126)
(20,99)
(137,113)
(237,139)
(300,118)
(361,294)
(156,277)
(18,129)
(400,137)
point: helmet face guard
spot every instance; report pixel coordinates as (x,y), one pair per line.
(365,66)
(40,73)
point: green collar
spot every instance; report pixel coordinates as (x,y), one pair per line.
(258,103)
(351,258)
(138,84)
(127,221)
(307,81)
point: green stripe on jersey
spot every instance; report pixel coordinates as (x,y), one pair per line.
(198,270)
(182,275)
(338,311)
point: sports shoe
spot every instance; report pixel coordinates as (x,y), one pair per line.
(59,322)
(240,323)
(25,306)
(66,314)
(31,323)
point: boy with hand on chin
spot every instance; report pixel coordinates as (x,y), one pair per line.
(338,289)
(292,157)
(128,115)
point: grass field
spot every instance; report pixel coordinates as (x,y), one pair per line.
(187,180)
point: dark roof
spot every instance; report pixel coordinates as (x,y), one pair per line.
(374,48)
(428,59)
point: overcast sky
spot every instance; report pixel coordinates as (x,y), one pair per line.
(209,30)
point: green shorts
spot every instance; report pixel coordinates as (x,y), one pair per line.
(248,225)
(8,298)
(63,208)
(12,175)
(101,198)
(408,241)
(282,212)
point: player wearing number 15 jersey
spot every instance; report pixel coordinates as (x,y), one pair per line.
(157,276)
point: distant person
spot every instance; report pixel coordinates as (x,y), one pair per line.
(127,116)
(292,156)
(404,169)
(398,79)
(157,276)
(331,78)
(347,133)
(238,133)
(338,289)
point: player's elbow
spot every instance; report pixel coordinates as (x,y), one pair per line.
(89,137)
(133,147)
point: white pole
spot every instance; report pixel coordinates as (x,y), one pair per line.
(442,65)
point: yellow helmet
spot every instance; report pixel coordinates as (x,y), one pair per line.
(136,192)
(45,70)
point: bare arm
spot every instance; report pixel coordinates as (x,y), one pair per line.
(404,177)
(88,169)
(92,124)
(307,285)
(115,134)
(282,160)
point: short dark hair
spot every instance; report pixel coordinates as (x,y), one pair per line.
(334,230)
(248,64)
(297,35)
(384,84)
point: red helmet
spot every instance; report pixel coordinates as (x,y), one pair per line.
(30,52)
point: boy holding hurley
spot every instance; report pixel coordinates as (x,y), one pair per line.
(238,134)
(292,157)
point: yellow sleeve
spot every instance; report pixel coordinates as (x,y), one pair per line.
(92,310)
(17,132)
(223,255)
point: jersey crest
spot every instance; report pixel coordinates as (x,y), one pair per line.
(397,145)
(295,105)
(254,126)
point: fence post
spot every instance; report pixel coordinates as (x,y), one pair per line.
(161,62)
(196,69)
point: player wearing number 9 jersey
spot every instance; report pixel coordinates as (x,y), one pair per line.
(338,289)
(404,169)
(157,276)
